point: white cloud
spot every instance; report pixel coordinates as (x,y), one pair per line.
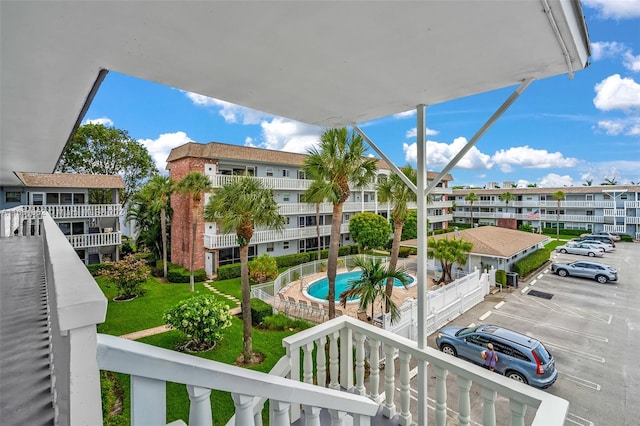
(230,112)
(439,154)
(412,133)
(611,127)
(554,180)
(288,135)
(159,148)
(526,157)
(107,122)
(615,9)
(405,114)
(522,183)
(629,126)
(615,92)
(614,50)
(631,61)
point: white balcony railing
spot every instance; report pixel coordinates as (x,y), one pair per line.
(632,204)
(615,212)
(632,220)
(540,204)
(77,210)
(620,229)
(527,216)
(95,240)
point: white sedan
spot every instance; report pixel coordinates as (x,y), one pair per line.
(583,249)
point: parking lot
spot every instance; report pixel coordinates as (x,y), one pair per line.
(592,330)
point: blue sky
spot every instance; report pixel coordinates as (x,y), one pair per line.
(560,132)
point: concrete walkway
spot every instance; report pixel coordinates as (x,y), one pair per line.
(164,328)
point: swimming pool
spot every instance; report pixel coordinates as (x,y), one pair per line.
(320,289)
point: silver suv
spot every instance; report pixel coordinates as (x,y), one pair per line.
(520,357)
(596,271)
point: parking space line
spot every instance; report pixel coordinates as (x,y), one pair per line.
(572,418)
(586,313)
(556,327)
(581,382)
(586,355)
(541,275)
(524,290)
(533,282)
(499,305)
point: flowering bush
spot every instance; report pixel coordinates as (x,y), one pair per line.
(262,269)
(201,318)
(128,274)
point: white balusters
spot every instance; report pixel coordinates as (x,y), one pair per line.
(374,369)
(307,363)
(464,401)
(321,362)
(279,413)
(518,410)
(389,409)
(200,407)
(244,409)
(489,406)
(360,389)
(441,395)
(311,416)
(333,361)
(148,401)
(338,418)
(405,389)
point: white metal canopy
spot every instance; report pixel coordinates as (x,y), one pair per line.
(325,63)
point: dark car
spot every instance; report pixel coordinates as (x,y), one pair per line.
(594,270)
(601,238)
(520,357)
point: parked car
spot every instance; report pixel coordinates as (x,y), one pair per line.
(605,246)
(580,248)
(594,270)
(520,357)
(601,238)
(614,237)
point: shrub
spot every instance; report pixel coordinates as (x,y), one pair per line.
(259,311)
(576,232)
(293,259)
(180,274)
(97,268)
(626,238)
(531,262)
(525,227)
(280,322)
(344,250)
(262,269)
(404,252)
(370,230)
(201,318)
(128,275)
(226,272)
(501,278)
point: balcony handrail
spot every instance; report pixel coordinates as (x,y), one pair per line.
(158,364)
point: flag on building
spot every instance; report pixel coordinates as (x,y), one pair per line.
(534,215)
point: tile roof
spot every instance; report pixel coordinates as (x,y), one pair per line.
(492,240)
(566,189)
(70,180)
(223,151)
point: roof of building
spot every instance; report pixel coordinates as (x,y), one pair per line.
(537,190)
(70,180)
(492,240)
(223,151)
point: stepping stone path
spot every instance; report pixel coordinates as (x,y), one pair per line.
(164,328)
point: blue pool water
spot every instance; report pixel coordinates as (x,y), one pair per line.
(320,289)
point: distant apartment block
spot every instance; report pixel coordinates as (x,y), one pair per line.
(92,228)
(281,171)
(610,208)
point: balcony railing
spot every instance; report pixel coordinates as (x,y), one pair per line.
(632,220)
(77,305)
(541,204)
(77,210)
(632,204)
(615,212)
(620,229)
(102,239)
(527,216)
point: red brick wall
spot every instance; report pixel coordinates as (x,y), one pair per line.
(508,223)
(181,222)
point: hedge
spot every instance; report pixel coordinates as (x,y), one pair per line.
(576,232)
(531,262)
(180,274)
(226,272)
(501,277)
(404,252)
(260,310)
(96,268)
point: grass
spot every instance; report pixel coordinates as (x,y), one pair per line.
(146,312)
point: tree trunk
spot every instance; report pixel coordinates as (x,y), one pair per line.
(471,215)
(332,261)
(393,261)
(558,222)
(163,228)
(247,347)
(194,227)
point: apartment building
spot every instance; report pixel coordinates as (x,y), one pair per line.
(610,208)
(283,172)
(92,229)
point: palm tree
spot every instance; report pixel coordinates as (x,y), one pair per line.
(370,286)
(394,190)
(587,182)
(608,181)
(156,194)
(194,184)
(448,252)
(559,196)
(506,197)
(239,207)
(337,162)
(471,198)
(314,194)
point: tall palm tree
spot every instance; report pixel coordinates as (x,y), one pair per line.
(471,198)
(506,197)
(370,286)
(608,181)
(194,184)
(588,182)
(239,207)
(156,193)
(314,194)
(448,252)
(338,161)
(559,196)
(394,190)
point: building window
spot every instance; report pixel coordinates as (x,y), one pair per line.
(589,212)
(78,198)
(285,173)
(66,198)
(12,197)
(269,247)
(269,172)
(286,196)
(285,245)
(301,174)
(53,198)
